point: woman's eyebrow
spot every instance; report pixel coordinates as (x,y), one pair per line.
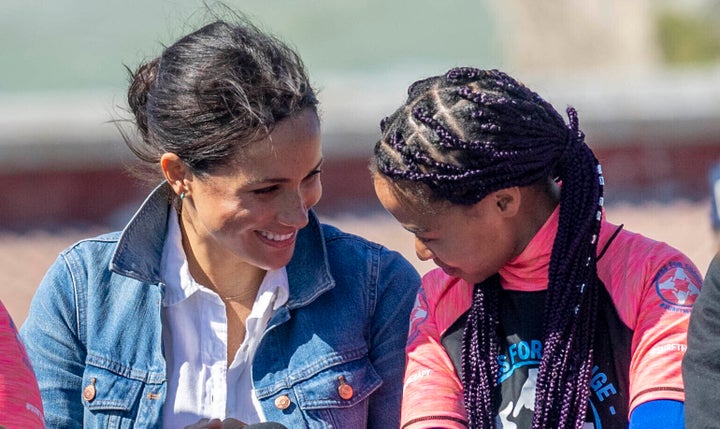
(275,180)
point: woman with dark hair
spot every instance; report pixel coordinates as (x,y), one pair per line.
(224,296)
(542,314)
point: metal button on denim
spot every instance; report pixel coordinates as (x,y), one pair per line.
(344,390)
(89,391)
(282,402)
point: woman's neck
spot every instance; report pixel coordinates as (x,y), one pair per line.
(221,271)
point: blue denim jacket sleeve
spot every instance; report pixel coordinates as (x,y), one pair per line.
(397,290)
(88,324)
(52,336)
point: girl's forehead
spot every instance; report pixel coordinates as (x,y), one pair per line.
(416,214)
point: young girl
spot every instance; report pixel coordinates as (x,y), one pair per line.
(542,314)
(224,296)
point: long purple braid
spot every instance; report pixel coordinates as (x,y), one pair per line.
(471,132)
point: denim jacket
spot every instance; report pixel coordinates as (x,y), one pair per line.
(333,356)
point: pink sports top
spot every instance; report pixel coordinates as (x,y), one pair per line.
(640,336)
(20,403)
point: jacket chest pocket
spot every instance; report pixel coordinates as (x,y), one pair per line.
(335,396)
(113,400)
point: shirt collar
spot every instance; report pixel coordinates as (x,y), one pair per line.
(179,284)
(276,283)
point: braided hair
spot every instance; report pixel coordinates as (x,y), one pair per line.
(471,132)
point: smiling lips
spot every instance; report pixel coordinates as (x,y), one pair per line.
(277,239)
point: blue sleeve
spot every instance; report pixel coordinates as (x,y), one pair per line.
(51,335)
(662,413)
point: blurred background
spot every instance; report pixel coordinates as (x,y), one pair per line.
(643,75)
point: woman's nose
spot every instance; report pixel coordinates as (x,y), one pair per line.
(294,212)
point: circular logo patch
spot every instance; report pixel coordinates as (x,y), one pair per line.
(678,284)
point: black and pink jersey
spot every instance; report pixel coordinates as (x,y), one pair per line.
(643,314)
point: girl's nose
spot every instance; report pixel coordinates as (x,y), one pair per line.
(422,251)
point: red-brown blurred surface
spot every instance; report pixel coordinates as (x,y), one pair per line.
(661,191)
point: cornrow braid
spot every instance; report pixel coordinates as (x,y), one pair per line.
(471,132)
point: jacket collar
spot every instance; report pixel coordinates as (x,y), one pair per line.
(308,270)
(140,246)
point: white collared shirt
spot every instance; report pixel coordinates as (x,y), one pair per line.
(201,383)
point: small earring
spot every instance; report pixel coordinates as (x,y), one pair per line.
(182,195)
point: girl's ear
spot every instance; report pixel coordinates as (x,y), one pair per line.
(176,173)
(508,201)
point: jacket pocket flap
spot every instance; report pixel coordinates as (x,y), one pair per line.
(338,386)
(104,389)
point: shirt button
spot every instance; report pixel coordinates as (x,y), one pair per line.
(89,391)
(282,402)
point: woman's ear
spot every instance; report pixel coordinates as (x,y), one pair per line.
(508,201)
(176,172)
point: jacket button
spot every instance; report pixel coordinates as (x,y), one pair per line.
(89,391)
(344,389)
(282,402)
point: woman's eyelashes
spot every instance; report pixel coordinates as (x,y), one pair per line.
(266,190)
(315,175)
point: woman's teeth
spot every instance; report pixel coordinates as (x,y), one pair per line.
(276,237)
